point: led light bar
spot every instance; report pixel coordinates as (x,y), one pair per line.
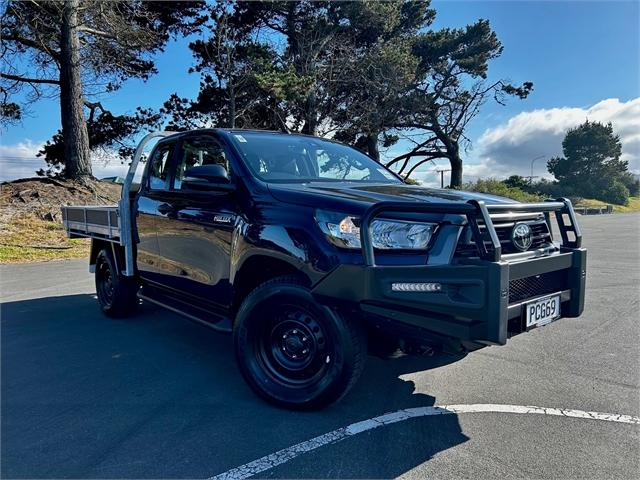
(415,287)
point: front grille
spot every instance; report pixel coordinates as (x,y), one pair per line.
(504,225)
(529,287)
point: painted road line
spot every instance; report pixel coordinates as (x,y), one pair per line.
(282,456)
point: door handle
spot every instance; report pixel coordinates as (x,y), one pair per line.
(165,208)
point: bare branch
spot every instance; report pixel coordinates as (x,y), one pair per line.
(96,33)
(18,78)
(27,42)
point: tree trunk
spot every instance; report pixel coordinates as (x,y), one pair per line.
(456,166)
(310,126)
(74,127)
(372,146)
(232,106)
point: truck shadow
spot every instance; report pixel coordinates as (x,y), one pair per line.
(154,396)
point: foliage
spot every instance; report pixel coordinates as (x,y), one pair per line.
(411,181)
(500,188)
(591,166)
(451,87)
(108,133)
(516,181)
(631,182)
(46,55)
(549,189)
(616,193)
(368,73)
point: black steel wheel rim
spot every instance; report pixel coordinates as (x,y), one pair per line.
(106,285)
(292,347)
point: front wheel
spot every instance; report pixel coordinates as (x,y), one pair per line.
(294,352)
(117,294)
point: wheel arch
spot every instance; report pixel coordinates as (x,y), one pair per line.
(117,250)
(258,269)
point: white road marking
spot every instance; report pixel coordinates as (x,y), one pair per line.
(282,456)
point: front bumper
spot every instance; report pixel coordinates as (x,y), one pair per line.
(474,303)
(481,300)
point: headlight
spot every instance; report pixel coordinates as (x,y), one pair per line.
(344,231)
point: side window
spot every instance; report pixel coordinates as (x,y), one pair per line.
(159,167)
(199,151)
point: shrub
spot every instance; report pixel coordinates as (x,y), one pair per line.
(632,184)
(549,189)
(499,188)
(617,193)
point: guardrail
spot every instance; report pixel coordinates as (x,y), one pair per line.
(584,210)
(475,210)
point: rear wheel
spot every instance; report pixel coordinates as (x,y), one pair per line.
(116,293)
(294,352)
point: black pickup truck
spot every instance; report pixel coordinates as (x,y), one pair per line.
(313,254)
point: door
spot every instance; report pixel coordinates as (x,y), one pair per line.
(195,227)
(154,186)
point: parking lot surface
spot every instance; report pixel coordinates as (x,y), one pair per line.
(85,396)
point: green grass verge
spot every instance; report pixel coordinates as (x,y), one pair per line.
(633,206)
(27,238)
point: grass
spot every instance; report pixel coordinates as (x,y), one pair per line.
(27,238)
(633,206)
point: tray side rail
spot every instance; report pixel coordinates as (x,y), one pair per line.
(92,222)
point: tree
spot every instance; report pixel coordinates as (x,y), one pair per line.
(74,50)
(231,64)
(517,181)
(376,73)
(451,88)
(107,134)
(591,166)
(367,73)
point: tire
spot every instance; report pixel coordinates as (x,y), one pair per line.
(116,293)
(294,352)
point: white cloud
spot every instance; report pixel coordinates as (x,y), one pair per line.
(19,161)
(509,148)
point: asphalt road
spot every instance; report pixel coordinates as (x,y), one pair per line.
(155,396)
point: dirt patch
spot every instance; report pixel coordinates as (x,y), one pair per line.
(30,218)
(43,197)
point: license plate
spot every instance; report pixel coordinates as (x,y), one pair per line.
(543,310)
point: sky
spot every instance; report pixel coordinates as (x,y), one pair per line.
(583,58)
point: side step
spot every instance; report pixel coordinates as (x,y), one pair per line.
(196,313)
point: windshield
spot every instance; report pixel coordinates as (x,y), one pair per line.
(290,158)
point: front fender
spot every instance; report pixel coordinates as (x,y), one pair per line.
(296,246)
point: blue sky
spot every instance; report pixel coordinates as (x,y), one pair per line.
(578,54)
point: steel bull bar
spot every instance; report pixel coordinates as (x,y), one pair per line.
(473,303)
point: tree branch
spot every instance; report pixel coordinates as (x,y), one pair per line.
(93,106)
(97,33)
(18,78)
(27,42)
(422,162)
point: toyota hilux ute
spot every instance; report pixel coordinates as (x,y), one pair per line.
(312,254)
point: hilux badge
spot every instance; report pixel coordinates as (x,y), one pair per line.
(521,236)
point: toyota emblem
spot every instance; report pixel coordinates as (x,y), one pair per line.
(522,236)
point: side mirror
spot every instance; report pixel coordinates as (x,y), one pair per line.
(206,177)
